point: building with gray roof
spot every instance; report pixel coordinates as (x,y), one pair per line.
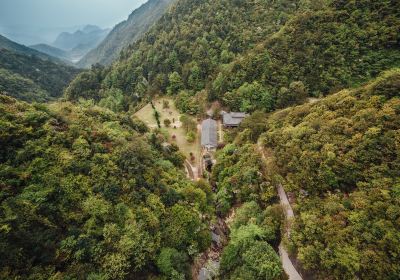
(209,140)
(233,119)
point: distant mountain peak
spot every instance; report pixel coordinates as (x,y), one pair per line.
(91,28)
(79,43)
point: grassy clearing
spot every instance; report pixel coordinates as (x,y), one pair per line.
(146,114)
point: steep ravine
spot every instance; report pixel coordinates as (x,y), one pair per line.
(207,265)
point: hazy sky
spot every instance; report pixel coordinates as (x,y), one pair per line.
(65,13)
(40,21)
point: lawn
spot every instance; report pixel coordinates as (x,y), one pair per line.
(146,114)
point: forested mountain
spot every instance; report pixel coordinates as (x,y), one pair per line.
(340,156)
(88,194)
(258,54)
(30,78)
(126,33)
(6,44)
(50,50)
(327,47)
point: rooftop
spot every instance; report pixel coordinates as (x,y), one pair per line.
(209,133)
(233,118)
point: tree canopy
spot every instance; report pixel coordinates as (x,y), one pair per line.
(88,194)
(340,156)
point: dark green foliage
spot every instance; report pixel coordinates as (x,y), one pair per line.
(341,140)
(295,94)
(239,176)
(327,47)
(113,100)
(19,87)
(85,196)
(106,202)
(248,254)
(188,103)
(30,78)
(86,85)
(253,126)
(175,83)
(172,263)
(249,98)
(262,55)
(343,150)
(185,49)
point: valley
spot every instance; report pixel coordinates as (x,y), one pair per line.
(205,140)
(72,47)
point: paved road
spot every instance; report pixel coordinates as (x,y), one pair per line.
(285,202)
(288,265)
(286,262)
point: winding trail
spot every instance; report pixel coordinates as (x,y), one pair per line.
(289,214)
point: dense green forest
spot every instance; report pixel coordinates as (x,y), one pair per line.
(22,88)
(187,46)
(256,228)
(88,191)
(30,78)
(87,194)
(256,55)
(340,156)
(327,46)
(7,44)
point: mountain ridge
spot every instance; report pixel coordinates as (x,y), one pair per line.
(10,45)
(125,33)
(52,51)
(30,75)
(90,34)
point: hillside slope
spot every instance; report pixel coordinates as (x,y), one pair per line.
(327,48)
(50,50)
(126,33)
(30,78)
(283,50)
(188,44)
(87,194)
(7,44)
(340,157)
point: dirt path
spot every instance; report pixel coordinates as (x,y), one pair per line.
(289,214)
(220,132)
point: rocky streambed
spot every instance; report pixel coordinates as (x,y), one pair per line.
(206,267)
